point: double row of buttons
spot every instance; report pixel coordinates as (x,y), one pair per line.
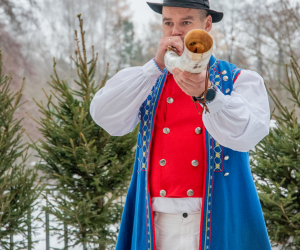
(197,131)
(189,193)
(163,163)
(195,163)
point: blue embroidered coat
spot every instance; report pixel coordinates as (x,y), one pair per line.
(231,217)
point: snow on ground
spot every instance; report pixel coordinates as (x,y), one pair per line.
(41,234)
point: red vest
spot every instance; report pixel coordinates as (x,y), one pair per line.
(177,151)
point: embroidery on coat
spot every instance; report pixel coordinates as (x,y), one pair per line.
(209,191)
(234,73)
(218,156)
(147,120)
(210,167)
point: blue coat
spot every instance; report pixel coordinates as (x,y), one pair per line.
(231,217)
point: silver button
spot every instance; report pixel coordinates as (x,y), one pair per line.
(195,163)
(163,162)
(224,72)
(198,131)
(226,174)
(163,193)
(226,158)
(166,131)
(227,91)
(190,192)
(225,78)
(170,100)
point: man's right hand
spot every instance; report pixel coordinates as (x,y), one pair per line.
(174,41)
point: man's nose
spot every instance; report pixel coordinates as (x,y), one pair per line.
(176,31)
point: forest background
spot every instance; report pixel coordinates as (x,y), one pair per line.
(257,35)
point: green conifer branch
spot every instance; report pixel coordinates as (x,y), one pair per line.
(91,169)
(275,166)
(19,185)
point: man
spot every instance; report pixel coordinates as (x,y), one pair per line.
(192,186)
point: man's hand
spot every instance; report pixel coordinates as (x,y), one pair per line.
(191,84)
(174,41)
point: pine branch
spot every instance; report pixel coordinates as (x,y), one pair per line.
(276,161)
(89,166)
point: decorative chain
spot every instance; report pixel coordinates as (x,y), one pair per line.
(203,101)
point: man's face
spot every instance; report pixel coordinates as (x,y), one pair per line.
(179,21)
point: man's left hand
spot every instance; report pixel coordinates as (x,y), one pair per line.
(191,84)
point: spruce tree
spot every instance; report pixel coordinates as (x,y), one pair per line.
(276,168)
(19,185)
(89,168)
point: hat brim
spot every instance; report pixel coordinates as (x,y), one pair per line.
(216,16)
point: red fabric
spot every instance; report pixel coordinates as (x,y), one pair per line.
(179,148)
(237,77)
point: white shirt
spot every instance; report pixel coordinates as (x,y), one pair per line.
(237,121)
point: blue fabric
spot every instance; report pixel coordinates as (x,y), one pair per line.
(157,65)
(232,217)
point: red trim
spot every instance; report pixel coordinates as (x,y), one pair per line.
(237,77)
(150,202)
(204,189)
(216,70)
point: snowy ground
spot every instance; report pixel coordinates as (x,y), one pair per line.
(41,235)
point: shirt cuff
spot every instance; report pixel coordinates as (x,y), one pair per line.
(217,104)
(151,70)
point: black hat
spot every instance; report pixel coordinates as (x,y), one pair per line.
(192,4)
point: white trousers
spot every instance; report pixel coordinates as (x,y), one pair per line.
(174,232)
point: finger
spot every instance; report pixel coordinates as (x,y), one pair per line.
(176,42)
(184,86)
(188,74)
(195,77)
(188,82)
(191,85)
(191,76)
(176,71)
(179,81)
(190,88)
(181,85)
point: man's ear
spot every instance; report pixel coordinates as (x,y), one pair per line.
(208,23)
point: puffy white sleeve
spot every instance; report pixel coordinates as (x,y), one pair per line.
(240,120)
(115,107)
